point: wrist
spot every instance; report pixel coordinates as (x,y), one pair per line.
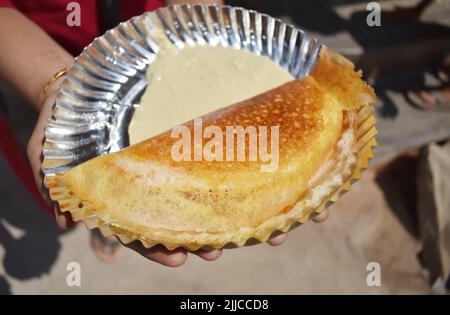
(52,85)
(49,81)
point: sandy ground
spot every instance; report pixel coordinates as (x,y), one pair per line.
(369,224)
(317,258)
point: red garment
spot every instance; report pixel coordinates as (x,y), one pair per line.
(51,16)
(10,150)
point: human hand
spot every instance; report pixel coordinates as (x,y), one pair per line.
(178,257)
(159,254)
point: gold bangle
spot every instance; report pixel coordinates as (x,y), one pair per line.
(50,82)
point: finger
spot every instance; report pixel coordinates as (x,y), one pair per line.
(63,219)
(35,158)
(321,217)
(34,148)
(208,254)
(277,240)
(160,254)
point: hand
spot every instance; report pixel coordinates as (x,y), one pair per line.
(178,257)
(157,253)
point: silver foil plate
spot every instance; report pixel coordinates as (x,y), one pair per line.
(104,85)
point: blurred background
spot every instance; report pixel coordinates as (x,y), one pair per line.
(397,215)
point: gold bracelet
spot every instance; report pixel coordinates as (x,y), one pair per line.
(50,82)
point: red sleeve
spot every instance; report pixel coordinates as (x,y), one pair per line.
(6,4)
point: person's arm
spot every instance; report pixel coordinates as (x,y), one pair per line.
(28,55)
(28,59)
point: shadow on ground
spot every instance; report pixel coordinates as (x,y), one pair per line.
(397,180)
(28,235)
